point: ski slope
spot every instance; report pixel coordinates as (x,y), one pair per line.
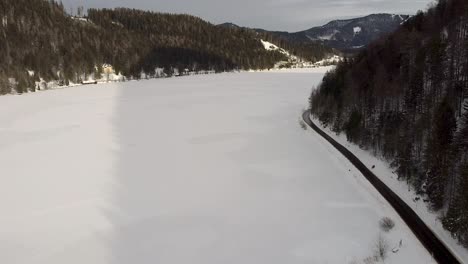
(201,169)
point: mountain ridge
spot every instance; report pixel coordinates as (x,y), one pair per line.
(342,34)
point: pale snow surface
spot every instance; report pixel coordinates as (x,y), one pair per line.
(357,30)
(270,46)
(200,169)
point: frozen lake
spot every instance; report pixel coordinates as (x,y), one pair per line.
(203,169)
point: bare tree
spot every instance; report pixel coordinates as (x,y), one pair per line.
(381,248)
(386,224)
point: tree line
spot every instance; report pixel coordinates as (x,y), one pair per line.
(40,41)
(405,98)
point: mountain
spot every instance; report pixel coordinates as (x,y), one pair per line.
(353,33)
(405,98)
(345,35)
(40,42)
(229,25)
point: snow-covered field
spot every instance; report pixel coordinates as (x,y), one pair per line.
(200,169)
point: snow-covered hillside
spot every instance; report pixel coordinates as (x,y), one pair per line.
(386,173)
(292,60)
(297,62)
(346,34)
(200,169)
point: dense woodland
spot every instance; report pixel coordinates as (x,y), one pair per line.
(39,36)
(406,99)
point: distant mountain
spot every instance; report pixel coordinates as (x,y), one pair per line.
(352,33)
(349,34)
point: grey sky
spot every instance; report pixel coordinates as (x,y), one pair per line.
(288,15)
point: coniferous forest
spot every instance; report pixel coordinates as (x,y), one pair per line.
(405,99)
(39,37)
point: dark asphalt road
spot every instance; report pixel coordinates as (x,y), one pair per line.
(432,243)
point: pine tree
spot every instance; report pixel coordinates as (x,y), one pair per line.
(437,154)
(456,219)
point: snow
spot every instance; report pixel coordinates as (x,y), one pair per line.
(199,169)
(271,47)
(399,17)
(293,60)
(317,70)
(405,20)
(296,62)
(117,23)
(329,36)
(329,61)
(311,38)
(81,19)
(386,174)
(357,30)
(326,37)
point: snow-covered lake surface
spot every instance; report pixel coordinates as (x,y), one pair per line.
(201,169)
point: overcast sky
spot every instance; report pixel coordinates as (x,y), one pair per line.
(288,15)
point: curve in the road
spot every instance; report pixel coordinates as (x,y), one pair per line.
(431,242)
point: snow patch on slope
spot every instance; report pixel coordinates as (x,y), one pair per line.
(329,61)
(357,30)
(81,19)
(272,47)
(329,36)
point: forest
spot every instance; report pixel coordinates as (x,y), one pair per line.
(40,40)
(405,99)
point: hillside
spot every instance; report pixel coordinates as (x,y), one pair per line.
(40,41)
(404,99)
(206,169)
(345,35)
(352,33)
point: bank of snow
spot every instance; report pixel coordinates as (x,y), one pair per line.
(385,173)
(200,169)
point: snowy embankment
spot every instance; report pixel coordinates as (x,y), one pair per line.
(201,169)
(385,173)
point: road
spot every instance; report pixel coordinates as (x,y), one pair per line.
(432,243)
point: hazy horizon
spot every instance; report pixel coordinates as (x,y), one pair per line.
(278,15)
